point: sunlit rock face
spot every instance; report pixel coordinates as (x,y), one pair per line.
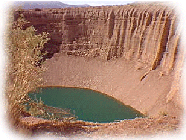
(147,33)
(140,45)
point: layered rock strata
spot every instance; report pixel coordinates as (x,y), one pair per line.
(140,46)
(143,33)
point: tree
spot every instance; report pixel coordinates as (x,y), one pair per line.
(24,51)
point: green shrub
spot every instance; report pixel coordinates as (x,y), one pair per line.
(23,51)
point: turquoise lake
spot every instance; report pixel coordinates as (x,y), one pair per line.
(88,105)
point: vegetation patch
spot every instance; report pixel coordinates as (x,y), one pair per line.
(23,75)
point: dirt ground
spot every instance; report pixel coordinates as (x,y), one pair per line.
(121,79)
(129,128)
(117,78)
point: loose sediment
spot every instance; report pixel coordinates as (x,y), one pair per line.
(118,78)
(147,37)
(132,53)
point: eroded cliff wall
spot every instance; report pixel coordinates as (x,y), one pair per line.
(145,33)
(140,45)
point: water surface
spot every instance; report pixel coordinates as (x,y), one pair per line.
(88,105)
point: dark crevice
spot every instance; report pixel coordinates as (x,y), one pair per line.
(156,15)
(131,13)
(123,37)
(149,19)
(144,19)
(163,43)
(118,36)
(133,25)
(111,25)
(176,52)
(142,40)
(164,39)
(140,19)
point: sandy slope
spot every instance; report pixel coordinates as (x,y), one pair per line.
(117,78)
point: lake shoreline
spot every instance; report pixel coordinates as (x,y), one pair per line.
(118,79)
(48,86)
(71,71)
(133,127)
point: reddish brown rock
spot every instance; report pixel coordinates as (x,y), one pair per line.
(136,50)
(136,32)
